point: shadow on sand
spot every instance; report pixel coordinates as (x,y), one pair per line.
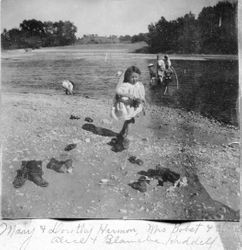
(194,198)
(98,130)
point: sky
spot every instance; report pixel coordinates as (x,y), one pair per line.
(102,17)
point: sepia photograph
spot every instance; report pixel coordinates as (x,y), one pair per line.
(117,109)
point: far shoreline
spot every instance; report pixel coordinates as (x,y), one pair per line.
(133,48)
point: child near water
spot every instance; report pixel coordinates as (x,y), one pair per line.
(128,103)
(68,86)
(163,65)
(152,74)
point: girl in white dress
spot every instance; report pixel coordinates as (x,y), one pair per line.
(128,102)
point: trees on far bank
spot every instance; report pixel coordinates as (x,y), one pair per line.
(218,28)
(214,31)
(96,39)
(34,34)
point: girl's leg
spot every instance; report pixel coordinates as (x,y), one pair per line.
(122,142)
(122,137)
(124,132)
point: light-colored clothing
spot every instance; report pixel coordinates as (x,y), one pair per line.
(161,64)
(127,91)
(162,67)
(68,85)
(168,63)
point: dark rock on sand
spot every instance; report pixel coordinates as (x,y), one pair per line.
(139,185)
(161,174)
(70,147)
(132,159)
(60,166)
(139,162)
(73,117)
(135,160)
(88,119)
(144,178)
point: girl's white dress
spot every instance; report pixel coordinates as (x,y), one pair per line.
(120,110)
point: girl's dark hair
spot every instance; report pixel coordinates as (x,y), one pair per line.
(129,71)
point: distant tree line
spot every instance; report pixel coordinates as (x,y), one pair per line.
(35,34)
(96,39)
(214,31)
(139,38)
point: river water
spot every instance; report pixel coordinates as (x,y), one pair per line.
(207,84)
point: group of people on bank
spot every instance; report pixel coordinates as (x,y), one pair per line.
(161,72)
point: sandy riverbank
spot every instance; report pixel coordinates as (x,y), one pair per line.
(38,127)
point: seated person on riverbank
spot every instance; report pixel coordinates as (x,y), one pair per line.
(164,71)
(167,62)
(168,72)
(128,103)
(160,68)
(163,67)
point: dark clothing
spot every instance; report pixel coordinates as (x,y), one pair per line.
(168,74)
(152,72)
(131,102)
